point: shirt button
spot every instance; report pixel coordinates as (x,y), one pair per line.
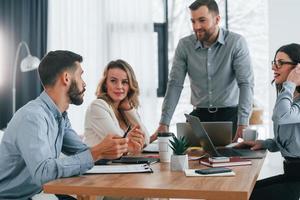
(209,78)
(208,64)
(209,49)
(209,92)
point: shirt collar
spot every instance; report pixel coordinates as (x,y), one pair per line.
(220,39)
(52,106)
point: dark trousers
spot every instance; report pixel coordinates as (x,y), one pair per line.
(276,188)
(220,114)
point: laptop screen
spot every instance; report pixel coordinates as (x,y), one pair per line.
(219,132)
(205,141)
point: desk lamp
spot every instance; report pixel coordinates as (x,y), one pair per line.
(29,63)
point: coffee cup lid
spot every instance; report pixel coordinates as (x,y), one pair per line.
(165,134)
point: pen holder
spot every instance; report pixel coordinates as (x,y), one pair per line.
(179,162)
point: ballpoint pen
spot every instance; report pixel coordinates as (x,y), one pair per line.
(127,131)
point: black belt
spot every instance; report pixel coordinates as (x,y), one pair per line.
(216,109)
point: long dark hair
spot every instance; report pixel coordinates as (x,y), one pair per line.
(293,51)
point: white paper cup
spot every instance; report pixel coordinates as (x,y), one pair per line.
(250,134)
(165,150)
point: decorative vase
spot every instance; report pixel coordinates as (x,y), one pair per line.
(179,162)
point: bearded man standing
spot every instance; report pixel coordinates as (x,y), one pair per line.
(218,64)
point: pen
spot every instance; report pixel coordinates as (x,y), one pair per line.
(127,131)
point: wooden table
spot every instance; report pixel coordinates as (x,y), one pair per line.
(162,183)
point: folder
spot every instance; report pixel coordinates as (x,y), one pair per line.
(120,169)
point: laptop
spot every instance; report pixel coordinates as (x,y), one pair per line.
(209,147)
(219,132)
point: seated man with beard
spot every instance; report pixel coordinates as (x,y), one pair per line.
(40,131)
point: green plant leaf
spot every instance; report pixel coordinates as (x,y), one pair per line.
(179,145)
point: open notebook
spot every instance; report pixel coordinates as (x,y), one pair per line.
(120,169)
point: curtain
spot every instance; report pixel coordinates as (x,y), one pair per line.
(102,31)
(20,20)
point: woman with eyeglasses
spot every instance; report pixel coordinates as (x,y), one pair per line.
(286,121)
(115,109)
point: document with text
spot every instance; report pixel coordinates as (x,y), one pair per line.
(120,169)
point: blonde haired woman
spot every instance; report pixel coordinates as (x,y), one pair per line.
(115,109)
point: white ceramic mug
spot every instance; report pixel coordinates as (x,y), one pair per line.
(250,134)
(165,150)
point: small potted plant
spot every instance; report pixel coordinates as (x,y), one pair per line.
(179,159)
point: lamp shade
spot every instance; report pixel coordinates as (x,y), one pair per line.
(29,63)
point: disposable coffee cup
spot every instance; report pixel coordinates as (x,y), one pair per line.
(250,134)
(165,150)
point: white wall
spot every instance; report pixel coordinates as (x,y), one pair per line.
(102,31)
(284,17)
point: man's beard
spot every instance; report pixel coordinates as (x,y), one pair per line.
(207,34)
(75,94)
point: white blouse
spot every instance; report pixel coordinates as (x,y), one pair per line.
(100,120)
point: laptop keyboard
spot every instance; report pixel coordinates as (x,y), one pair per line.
(241,153)
(229,152)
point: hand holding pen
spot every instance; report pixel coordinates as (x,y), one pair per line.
(111,147)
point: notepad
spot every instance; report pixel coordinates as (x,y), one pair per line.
(120,169)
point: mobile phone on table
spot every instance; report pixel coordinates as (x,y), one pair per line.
(215,170)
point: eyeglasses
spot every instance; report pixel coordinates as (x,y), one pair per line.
(279,63)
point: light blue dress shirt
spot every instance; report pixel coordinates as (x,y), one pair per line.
(286,121)
(31,146)
(220,76)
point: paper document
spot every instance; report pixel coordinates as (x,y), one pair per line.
(191,172)
(119,169)
(151,148)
